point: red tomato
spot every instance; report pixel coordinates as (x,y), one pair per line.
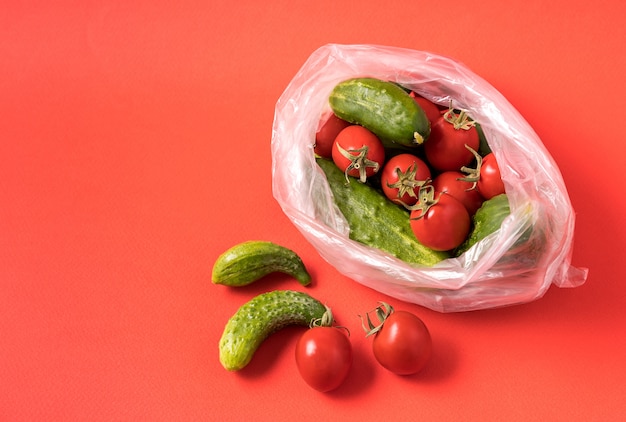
(402,177)
(490,183)
(325,137)
(324,357)
(431,109)
(358,152)
(446,148)
(444,226)
(403,344)
(449,182)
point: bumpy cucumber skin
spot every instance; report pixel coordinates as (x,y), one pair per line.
(263,315)
(375,221)
(384,108)
(249,261)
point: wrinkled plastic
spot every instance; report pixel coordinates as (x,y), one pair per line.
(508,267)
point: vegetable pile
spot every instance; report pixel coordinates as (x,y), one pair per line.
(323,354)
(413,179)
(430,163)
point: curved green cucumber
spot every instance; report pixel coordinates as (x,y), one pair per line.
(263,315)
(249,261)
(375,221)
(487,219)
(384,108)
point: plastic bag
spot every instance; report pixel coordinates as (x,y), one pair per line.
(500,270)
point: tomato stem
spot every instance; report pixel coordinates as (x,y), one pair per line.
(426,199)
(407,183)
(358,162)
(473,174)
(382,312)
(326,320)
(460,120)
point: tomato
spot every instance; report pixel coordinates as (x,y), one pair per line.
(466,192)
(402,177)
(402,344)
(490,182)
(358,152)
(324,357)
(326,135)
(444,225)
(431,110)
(450,135)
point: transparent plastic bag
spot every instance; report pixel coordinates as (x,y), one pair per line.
(507,267)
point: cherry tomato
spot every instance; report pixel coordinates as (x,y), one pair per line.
(402,177)
(466,192)
(446,147)
(445,224)
(431,110)
(324,357)
(326,135)
(403,344)
(490,183)
(358,152)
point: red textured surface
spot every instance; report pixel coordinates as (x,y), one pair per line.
(134,149)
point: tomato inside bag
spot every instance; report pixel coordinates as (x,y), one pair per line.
(506,268)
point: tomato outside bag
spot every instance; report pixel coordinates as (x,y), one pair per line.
(508,267)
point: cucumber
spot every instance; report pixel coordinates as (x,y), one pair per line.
(263,315)
(375,221)
(529,247)
(384,108)
(249,261)
(487,219)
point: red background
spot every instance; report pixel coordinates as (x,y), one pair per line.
(135,148)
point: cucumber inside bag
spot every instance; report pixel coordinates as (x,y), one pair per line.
(516,264)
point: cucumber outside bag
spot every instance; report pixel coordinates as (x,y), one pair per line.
(516,264)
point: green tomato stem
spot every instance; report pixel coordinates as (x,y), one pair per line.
(473,174)
(425,200)
(460,121)
(406,182)
(382,312)
(358,162)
